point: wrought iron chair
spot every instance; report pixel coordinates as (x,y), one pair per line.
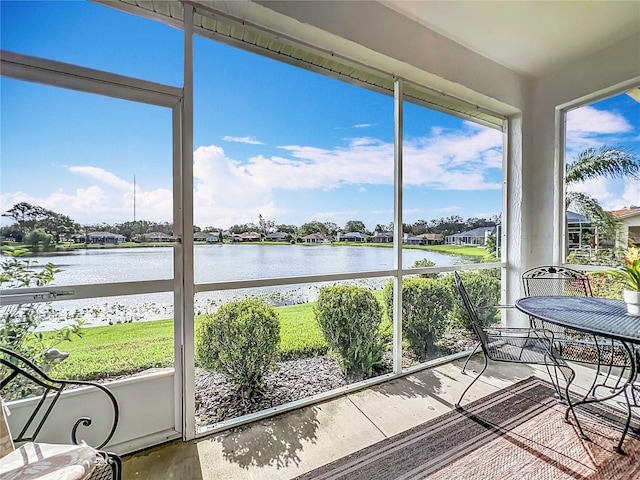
(516,345)
(573,345)
(22,453)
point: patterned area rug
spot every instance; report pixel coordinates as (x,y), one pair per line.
(518,433)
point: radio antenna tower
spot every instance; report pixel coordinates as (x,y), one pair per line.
(134,198)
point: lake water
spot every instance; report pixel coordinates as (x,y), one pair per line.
(216,263)
(213,263)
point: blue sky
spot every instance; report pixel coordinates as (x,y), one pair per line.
(269,138)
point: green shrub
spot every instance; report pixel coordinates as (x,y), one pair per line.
(19,322)
(425,262)
(240,340)
(39,237)
(426,304)
(350,318)
(483,287)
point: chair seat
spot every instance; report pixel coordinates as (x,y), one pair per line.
(590,352)
(530,350)
(45,461)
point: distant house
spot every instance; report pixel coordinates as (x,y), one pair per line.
(278,237)
(105,237)
(246,237)
(214,237)
(382,237)
(629,231)
(200,236)
(159,237)
(352,237)
(477,236)
(316,238)
(430,238)
(412,240)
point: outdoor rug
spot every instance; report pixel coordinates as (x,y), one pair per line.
(516,433)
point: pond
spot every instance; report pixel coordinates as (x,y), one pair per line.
(228,262)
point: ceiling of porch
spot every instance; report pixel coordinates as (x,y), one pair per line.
(532,38)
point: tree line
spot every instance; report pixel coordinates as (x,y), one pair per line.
(37,225)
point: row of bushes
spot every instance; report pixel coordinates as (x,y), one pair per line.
(242,338)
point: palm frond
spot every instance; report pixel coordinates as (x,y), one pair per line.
(608,162)
(588,206)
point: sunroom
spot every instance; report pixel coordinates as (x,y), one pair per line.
(502,79)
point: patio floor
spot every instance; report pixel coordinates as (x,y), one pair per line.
(299,441)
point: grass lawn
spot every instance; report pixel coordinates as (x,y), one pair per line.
(117,350)
(458,250)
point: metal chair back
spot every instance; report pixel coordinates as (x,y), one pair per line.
(476,324)
(556,280)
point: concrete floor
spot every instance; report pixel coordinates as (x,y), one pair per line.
(299,441)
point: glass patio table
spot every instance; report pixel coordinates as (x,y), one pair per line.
(600,317)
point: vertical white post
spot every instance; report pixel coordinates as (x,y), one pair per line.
(397,228)
(188,289)
(560,234)
(501,232)
(178,274)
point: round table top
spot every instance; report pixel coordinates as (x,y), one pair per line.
(602,316)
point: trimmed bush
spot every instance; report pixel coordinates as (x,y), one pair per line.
(483,287)
(241,340)
(426,305)
(424,262)
(350,318)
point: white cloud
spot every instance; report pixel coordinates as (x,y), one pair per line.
(363,125)
(388,212)
(588,127)
(226,192)
(630,196)
(452,210)
(612,194)
(95,205)
(409,211)
(454,161)
(332,216)
(593,121)
(103,176)
(599,188)
(249,140)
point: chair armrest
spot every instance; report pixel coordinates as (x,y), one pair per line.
(496,307)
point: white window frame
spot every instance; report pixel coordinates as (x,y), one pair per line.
(560,239)
(62,75)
